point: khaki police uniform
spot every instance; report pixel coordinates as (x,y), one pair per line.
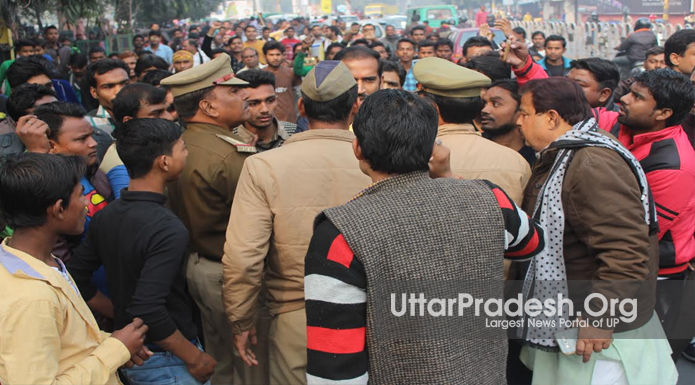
(472,156)
(202,199)
(280,193)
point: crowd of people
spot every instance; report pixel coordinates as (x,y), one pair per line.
(236,207)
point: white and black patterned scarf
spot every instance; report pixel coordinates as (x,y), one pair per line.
(547,277)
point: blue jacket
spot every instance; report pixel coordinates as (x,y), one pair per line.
(565,62)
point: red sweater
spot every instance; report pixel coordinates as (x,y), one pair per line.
(668,160)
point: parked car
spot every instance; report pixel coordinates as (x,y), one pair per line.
(348,19)
(399,22)
(434,14)
(459,37)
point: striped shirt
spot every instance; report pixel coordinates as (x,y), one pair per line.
(335,285)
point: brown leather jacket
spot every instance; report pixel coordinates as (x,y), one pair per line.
(607,246)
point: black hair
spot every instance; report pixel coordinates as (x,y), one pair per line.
(25,68)
(213,53)
(19,44)
(490,65)
(39,42)
(335,30)
(556,38)
(520,31)
(257,78)
(154,33)
(193,42)
(249,26)
(561,95)
(138,36)
(290,27)
(536,33)
(101,67)
(359,53)
(53,114)
(364,42)
(406,40)
(512,86)
(426,43)
(456,110)
(475,41)
(332,111)
(45,30)
(678,43)
(396,131)
(389,66)
(133,96)
(96,50)
(31,182)
(271,45)
(670,89)
(78,60)
(148,61)
(187,104)
(415,28)
(332,46)
(265,29)
(64,38)
(23,97)
(604,71)
(139,142)
(442,42)
(654,51)
(377,43)
(155,77)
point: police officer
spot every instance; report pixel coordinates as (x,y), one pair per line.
(211,101)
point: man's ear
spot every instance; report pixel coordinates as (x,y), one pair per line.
(675,59)
(208,109)
(127,118)
(554,118)
(357,150)
(93,92)
(54,147)
(663,114)
(300,107)
(604,95)
(56,210)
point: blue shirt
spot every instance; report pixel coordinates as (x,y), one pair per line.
(164,52)
(410,82)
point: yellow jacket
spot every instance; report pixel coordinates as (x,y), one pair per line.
(48,335)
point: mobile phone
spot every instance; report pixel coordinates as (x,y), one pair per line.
(567,340)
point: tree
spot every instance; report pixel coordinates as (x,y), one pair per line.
(68,10)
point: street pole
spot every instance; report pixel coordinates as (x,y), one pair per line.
(665,17)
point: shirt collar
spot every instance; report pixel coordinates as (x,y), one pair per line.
(102,113)
(634,141)
(247,136)
(455,128)
(331,134)
(143,196)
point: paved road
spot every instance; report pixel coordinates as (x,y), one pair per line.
(686,372)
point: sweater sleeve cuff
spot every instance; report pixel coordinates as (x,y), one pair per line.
(112,353)
(239,327)
(525,69)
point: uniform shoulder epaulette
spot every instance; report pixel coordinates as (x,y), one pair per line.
(240,146)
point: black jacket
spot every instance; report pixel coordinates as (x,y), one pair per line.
(637,44)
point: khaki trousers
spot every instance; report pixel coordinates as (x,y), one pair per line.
(205,285)
(288,348)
